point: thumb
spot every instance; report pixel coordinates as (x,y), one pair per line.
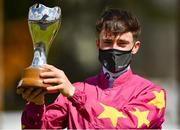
(53,89)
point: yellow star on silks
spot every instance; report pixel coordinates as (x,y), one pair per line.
(159,100)
(111,113)
(141,117)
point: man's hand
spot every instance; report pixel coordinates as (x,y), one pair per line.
(52,76)
(35,95)
(60,83)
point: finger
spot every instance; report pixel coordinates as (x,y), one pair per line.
(53,89)
(35,93)
(27,92)
(43,69)
(53,81)
(42,93)
(20,90)
(40,97)
(50,67)
(48,74)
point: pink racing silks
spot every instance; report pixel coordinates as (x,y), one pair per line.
(131,102)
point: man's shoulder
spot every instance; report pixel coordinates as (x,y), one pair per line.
(146,83)
(141,79)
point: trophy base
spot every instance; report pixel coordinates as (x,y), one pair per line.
(31,78)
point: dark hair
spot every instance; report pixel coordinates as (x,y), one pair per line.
(118,21)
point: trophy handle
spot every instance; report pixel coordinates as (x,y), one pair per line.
(31,78)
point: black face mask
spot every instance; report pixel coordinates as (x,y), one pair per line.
(115,60)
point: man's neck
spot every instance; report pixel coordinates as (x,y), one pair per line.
(112,76)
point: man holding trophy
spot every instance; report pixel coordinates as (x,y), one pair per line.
(114,99)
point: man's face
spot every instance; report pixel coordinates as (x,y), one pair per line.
(122,41)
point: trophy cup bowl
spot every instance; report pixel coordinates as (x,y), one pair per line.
(44,23)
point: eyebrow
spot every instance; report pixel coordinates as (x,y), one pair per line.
(125,41)
(119,40)
(107,39)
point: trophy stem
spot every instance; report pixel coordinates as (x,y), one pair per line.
(39,55)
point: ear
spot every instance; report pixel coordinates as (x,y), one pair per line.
(97,43)
(136,47)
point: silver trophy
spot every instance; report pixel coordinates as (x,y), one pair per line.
(44,23)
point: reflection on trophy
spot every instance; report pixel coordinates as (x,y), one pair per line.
(44,23)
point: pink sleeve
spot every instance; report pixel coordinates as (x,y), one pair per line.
(145,110)
(40,116)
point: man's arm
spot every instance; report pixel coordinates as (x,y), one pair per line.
(36,114)
(144,111)
(43,117)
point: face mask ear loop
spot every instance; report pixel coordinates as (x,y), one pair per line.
(132,48)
